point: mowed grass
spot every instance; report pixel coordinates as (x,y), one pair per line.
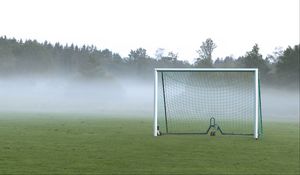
(73,144)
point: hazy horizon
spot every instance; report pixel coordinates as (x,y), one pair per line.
(121,97)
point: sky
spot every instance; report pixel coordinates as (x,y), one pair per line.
(179,26)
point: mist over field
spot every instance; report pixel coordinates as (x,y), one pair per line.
(46,77)
(280,104)
(127,97)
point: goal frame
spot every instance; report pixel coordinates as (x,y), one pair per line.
(257,91)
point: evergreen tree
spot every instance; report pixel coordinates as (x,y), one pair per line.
(287,67)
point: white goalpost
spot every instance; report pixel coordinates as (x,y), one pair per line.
(207,100)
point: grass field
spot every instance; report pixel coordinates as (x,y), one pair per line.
(67,144)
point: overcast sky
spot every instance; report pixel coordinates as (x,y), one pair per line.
(176,25)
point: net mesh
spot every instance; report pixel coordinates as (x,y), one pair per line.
(188,100)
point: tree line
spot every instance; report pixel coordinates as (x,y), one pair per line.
(18,57)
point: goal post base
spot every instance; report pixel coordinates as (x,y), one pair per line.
(212,130)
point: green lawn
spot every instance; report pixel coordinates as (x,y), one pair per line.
(67,144)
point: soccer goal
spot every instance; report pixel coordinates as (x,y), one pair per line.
(207,101)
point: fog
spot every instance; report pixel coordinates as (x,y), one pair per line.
(280,104)
(117,97)
(61,95)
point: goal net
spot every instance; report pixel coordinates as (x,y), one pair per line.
(196,101)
